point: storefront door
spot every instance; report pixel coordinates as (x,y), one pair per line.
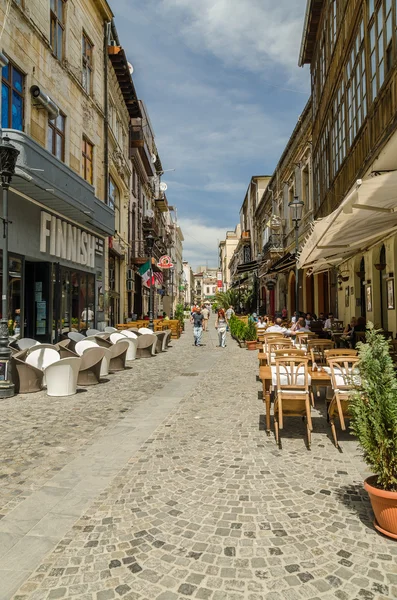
(74,301)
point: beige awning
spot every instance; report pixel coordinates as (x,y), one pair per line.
(367,214)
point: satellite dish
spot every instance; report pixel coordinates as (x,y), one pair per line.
(130,68)
(163,186)
(153,158)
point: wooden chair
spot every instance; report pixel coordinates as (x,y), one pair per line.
(338,352)
(289,352)
(344,376)
(316,348)
(277,344)
(271,337)
(293,394)
(302,337)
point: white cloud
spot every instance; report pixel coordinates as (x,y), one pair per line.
(201,241)
(252,34)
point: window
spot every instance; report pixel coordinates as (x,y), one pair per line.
(88,159)
(56,137)
(87,64)
(380,42)
(332,24)
(12,104)
(114,194)
(57,15)
(356,86)
(338,130)
(114,201)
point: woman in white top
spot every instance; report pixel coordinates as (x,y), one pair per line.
(220,325)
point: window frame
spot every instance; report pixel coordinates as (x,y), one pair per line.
(87,61)
(55,22)
(9,83)
(86,158)
(52,126)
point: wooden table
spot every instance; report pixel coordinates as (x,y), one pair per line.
(318,378)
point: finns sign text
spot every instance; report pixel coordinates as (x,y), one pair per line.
(63,240)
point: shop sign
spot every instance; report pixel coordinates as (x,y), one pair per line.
(63,240)
(219,280)
(165,262)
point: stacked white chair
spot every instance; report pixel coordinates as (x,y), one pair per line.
(111,330)
(143,330)
(61,377)
(132,343)
(25,343)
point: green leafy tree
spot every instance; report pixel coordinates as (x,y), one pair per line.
(373,408)
(226,299)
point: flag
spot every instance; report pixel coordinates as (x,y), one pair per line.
(144,272)
(158,278)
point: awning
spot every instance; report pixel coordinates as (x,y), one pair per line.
(285,263)
(239,282)
(367,214)
(247,267)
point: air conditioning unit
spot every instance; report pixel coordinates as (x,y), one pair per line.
(130,286)
(130,274)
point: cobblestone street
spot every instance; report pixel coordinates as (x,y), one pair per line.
(162,485)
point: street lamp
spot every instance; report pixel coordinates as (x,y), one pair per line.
(150,241)
(172,291)
(296,207)
(258,287)
(8,161)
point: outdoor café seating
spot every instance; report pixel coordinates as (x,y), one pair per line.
(90,367)
(24,343)
(132,343)
(146,345)
(61,377)
(118,356)
(344,376)
(292,396)
(26,377)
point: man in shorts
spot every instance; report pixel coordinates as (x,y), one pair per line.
(206,315)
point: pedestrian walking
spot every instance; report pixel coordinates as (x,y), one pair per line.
(220,325)
(206,315)
(197,320)
(229,313)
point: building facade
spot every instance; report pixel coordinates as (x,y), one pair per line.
(351,48)
(53,110)
(226,251)
(188,284)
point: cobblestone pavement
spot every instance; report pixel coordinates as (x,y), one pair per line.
(207,506)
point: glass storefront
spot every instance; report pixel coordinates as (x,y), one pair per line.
(15,292)
(74,301)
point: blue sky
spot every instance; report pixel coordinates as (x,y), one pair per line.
(223,90)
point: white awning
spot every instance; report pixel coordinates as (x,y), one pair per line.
(367,214)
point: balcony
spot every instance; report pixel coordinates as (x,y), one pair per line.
(246,235)
(274,245)
(149,225)
(138,140)
(138,254)
(59,188)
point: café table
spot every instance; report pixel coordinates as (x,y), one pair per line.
(318,378)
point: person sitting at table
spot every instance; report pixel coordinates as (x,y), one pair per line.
(346,338)
(300,325)
(277,327)
(360,326)
(261,323)
(329,321)
(321,317)
(308,320)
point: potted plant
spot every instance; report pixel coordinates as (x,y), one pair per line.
(373,411)
(251,336)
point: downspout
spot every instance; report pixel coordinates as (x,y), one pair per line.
(106,108)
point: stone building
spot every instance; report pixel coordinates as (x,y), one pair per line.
(54,110)
(226,251)
(351,47)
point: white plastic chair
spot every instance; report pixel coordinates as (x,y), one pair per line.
(132,344)
(26,343)
(84,345)
(75,336)
(110,330)
(41,358)
(143,330)
(130,334)
(92,332)
(61,377)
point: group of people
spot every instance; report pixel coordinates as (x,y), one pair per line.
(199,317)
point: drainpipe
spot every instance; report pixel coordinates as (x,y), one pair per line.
(106,36)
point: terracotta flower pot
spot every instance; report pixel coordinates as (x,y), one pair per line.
(384,505)
(251,345)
